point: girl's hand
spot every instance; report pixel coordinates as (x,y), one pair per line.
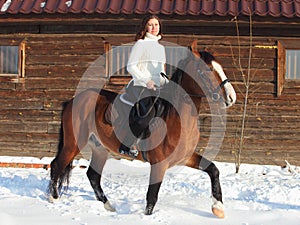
(151,85)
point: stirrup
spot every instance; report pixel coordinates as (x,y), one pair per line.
(130,152)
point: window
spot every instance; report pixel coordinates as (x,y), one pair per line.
(288,67)
(117,58)
(292,60)
(9,60)
(173,55)
(12,60)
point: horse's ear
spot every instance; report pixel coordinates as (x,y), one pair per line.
(194,48)
(209,49)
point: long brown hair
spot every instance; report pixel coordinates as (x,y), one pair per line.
(143,29)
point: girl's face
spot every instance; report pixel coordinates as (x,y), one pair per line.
(153,27)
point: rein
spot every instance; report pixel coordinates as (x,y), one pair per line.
(215,94)
(150,109)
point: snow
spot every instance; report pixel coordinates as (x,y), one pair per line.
(43,4)
(5,6)
(258,195)
(69,3)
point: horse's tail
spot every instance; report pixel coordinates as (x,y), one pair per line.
(64,177)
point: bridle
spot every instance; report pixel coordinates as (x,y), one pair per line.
(214,92)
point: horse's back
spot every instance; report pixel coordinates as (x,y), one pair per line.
(91,96)
(109,95)
(86,102)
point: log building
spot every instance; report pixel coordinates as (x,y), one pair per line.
(46,46)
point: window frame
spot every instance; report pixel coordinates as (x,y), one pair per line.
(21,60)
(282,46)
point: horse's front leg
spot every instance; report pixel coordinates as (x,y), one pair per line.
(99,157)
(199,162)
(156,176)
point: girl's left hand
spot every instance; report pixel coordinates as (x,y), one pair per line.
(151,85)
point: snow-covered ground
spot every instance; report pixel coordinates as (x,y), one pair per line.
(259,195)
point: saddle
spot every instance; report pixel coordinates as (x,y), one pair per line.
(142,108)
(145,104)
(137,106)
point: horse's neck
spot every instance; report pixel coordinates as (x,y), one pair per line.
(197,103)
(189,132)
(188,113)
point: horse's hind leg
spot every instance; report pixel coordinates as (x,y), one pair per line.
(199,162)
(61,167)
(99,157)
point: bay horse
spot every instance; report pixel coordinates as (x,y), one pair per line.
(85,124)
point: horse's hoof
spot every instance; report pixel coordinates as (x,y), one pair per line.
(51,199)
(109,207)
(218,209)
(149,209)
(218,213)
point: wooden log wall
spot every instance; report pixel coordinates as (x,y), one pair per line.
(30,110)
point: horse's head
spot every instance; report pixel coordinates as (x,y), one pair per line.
(206,72)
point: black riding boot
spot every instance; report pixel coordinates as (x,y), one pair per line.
(138,121)
(125,148)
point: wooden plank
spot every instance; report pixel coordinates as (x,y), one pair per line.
(255,63)
(79,47)
(7,82)
(119,80)
(56,71)
(226,41)
(83,60)
(28,137)
(23,126)
(21,94)
(29,115)
(27,149)
(54,127)
(50,83)
(258,158)
(21,104)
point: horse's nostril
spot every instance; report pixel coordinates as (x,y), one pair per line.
(228,103)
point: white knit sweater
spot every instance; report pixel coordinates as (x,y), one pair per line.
(147,60)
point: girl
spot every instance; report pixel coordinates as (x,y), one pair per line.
(146,64)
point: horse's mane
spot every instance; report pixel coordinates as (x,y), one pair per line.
(207,57)
(172,86)
(177,75)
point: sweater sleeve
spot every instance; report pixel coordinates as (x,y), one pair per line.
(134,59)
